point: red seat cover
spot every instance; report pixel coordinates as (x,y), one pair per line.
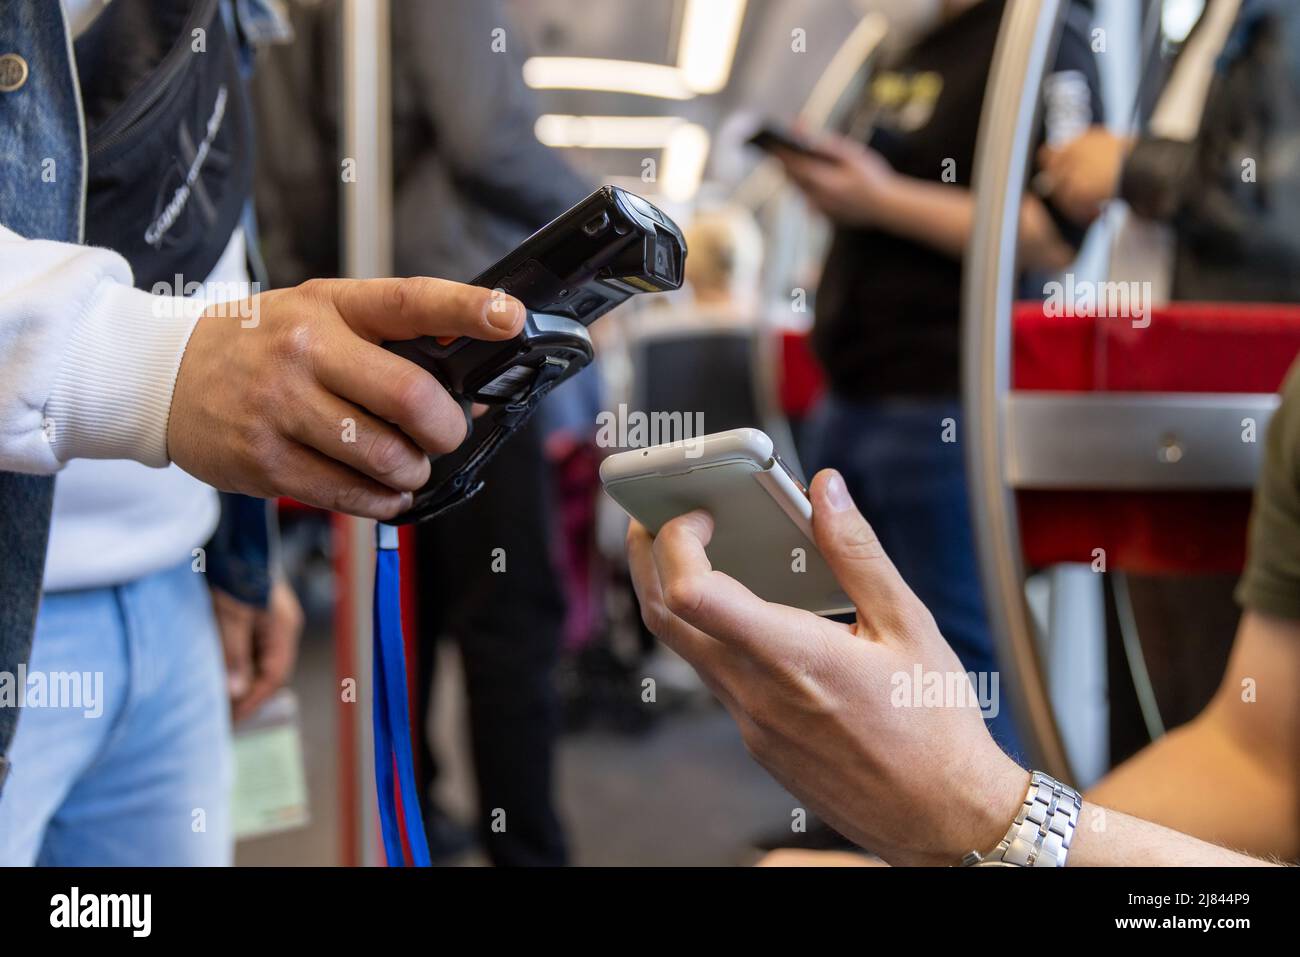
(1185,347)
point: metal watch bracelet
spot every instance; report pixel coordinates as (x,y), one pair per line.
(1041,834)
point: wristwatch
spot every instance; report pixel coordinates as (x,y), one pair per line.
(1040,835)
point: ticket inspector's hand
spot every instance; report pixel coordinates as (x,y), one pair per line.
(305,402)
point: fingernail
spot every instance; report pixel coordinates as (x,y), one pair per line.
(837,493)
(408,499)
(237,685)
(504,311)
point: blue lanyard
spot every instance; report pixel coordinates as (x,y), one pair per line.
(395,787)
(399,798)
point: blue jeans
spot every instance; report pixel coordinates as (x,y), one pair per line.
(911,486)
(131,765)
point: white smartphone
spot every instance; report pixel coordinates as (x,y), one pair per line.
(762,518)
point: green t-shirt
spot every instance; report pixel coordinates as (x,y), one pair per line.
(1271,583)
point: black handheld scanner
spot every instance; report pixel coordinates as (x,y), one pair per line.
(607,248)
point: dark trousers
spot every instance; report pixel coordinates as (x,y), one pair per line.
(488,582)
(911,486)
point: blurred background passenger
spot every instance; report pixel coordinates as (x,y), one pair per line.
(692,359)
(1211,180)
(1210,213)
(724,266)
(470,182)
(888,306)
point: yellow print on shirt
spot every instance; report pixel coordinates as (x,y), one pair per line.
(907,98)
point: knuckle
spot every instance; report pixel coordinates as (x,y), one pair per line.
(315,288)
(862,545)
(412,392)
(350,499)
(802,685)
(386,455)
(684,597)
(318,292)
(655,617)
(266,450)
(294,340)
(407,294)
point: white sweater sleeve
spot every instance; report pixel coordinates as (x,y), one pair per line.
(87,362)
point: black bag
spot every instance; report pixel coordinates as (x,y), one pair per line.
(169,137)
(1233,195)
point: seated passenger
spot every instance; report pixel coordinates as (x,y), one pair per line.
(723,268)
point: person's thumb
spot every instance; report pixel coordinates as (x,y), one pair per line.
(854,553)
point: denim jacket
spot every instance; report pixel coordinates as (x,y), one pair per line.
(41,120)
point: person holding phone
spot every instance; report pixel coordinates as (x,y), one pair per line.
(888,305)
(924,783)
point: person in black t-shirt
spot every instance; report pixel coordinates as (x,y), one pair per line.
(888,306)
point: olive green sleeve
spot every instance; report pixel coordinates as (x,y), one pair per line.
(1271,582)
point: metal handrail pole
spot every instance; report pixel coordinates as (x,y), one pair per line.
(367,205)
(1025,41)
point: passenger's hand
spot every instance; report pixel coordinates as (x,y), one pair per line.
(816,699)
(260,645)
(850,188)
(1084,174)
(303,401)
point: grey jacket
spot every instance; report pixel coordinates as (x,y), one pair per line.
(470,178)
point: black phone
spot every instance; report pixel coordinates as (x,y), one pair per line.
(606,249)
(590,259)
(770,137)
